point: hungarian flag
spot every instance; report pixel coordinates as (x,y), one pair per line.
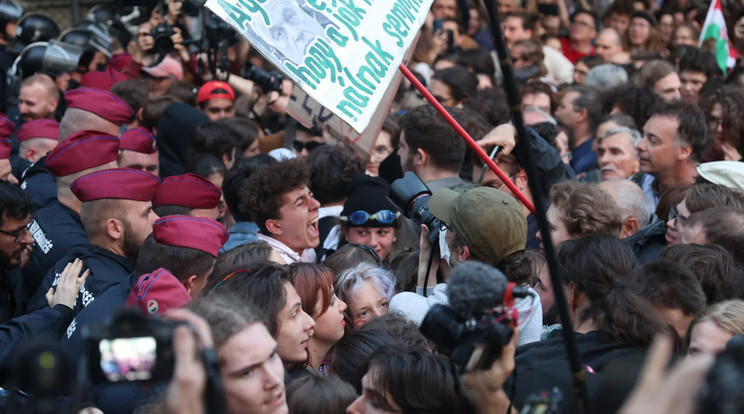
(715,28)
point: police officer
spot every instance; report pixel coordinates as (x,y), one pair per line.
(57,228)
(188,194)
(87,109)
(116,211)
(137,150)
(35,139)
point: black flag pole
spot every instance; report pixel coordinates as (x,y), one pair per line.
(534,179)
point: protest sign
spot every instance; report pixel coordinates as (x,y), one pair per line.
(342,53)
(310,112)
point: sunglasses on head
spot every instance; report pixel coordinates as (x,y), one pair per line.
(361,217)
(299,145)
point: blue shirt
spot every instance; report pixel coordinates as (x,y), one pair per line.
(583,157)
(242,232)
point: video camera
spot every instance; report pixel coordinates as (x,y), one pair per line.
(411,196)
(132,348)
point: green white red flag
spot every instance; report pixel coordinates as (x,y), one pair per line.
(715,28)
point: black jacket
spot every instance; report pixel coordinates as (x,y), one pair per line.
(649,241)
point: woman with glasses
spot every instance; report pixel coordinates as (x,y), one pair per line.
(368,217)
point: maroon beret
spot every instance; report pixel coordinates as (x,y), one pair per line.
(188,190)
(4,148)
(121,183)
(101,102)
(198,233)
(82,150)
(158,292)
(39,128)
(6,126)
(103,79)
(138,139)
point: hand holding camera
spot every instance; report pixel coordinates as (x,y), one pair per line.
(484,388)
(66,292)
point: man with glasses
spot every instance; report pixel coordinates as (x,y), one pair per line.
(581,35)
(15,241)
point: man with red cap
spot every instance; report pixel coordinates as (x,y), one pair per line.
(187,194)
(217,100)
(88,109)
(116,211)
(137,150)
(57,228)
(36,138)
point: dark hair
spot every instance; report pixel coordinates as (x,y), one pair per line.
(350,255)
(171,210)
(261,285)
(589,100)
(154,108)
(181,261)
(528,20)
(405,268)
(417,380)
(591,60)
(671,285)
(491,104)
(731,99)
(236,177)
(704,196)
(424,128)
(350,356)
(214,138)
(314,283)
(692,127)
(262,194)
(14,202)
(478,60)
(399,327)
(314,393)
(242,256)
(636,102)
(621,7)
(134,92)
(593,15)
(538,87)
(671,197)
(548,131)
(226,315)
(714,267)
(204,165)
(463,84)
(184,91)
(332,169)
(696,60)
(246,129)
(723,226)
(598,265)
(391,124)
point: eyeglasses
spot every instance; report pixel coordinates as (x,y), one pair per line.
(299,145)
(714,123)
(361,217)
(674,215)
(20,234)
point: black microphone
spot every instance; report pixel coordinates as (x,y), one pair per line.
(475,287)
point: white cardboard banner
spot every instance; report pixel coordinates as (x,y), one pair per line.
(343,53)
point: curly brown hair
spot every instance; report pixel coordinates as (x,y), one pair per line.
(585,209)
(262,194)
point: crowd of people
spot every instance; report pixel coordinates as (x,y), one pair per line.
(154,167)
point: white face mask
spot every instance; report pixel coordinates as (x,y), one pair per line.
(444,251)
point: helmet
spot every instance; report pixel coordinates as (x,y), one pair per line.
(10,11)
(90,36)
(33,27)
(52,58)
(103,13)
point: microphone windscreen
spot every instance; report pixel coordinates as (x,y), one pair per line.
(474,287)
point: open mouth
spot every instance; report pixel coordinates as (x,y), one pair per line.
(312,228)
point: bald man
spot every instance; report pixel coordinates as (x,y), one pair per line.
(38,98)
(609,46)
(642,230)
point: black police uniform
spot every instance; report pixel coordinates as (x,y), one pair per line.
(57,232)
(11,293)
(107,269)
(18,165)
(40,184)
(49,321)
